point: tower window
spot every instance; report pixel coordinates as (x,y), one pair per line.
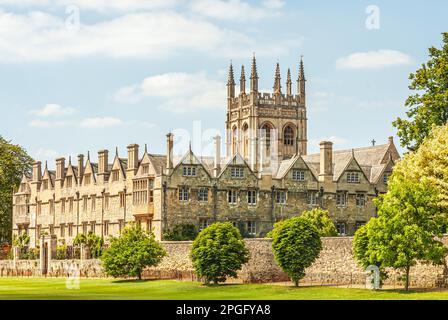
(288,136)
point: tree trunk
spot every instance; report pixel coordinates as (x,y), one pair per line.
(139,274)
(406,285)
(296,283)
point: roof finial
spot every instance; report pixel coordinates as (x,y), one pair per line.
(353,152)
(277,84)
(88,155)
(69,160)
(189,146)
(254,75)
(146,148)
(46,165)
(289,83)
(116,151)
(242,81)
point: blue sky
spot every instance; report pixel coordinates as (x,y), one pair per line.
(131,70)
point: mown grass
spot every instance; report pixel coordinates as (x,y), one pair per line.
(93,289)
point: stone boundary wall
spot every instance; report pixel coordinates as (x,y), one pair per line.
(335,265)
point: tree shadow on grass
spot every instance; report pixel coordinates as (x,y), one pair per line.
(133,280)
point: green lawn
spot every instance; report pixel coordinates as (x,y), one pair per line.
(52,288)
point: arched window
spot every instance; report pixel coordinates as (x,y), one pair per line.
(288,136)
(266,134)
(245,140)
(234,139)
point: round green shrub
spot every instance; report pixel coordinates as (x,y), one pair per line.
(296,244)
(218,252)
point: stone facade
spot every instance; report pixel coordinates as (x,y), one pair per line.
(335,265)
(267,175)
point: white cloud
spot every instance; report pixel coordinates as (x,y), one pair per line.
(52,109)
(178,92)
(48,124)
(373,60)
(101,122)
(234,9)
(39,36)
(97,5)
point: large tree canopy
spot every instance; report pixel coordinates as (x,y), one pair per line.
(413,213)
(428,106)
(14,162)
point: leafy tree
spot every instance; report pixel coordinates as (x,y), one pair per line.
(429,164)
(181,232)
(363,249)
(93,242)
(14,162)
(428,106)
(296,244)
(406,230)
(131,252)
(321,219)
(218,252)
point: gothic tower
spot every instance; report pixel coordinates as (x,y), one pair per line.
(266,127)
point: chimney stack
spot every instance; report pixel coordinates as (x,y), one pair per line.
(169,153)
(217,164)
(133,157)
(326,161)
(103,163)
(60,169)
(37,171)
(80,167)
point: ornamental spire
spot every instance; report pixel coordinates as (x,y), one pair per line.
(277,83)
(254,75)
(242,81)
(289,83)
(230,83)
(301,80)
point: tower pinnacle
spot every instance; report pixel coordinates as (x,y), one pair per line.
(277,83)
(242,81)
(289,83)
(254,76)
(230,83)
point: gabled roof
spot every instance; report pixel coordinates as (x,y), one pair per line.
(236,160)
(286,165)
(370,160)
(190,158)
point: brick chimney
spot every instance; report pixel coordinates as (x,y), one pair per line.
(326,161)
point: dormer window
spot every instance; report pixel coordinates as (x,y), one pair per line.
(45,184)
(87,178)
(145,169)
(298,175)
(189,171)
(115,175)
(22,187)
(352,177)
(68,182)
(237,172)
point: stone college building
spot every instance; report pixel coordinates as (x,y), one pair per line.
(265,176)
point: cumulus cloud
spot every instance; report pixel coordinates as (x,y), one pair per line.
(52,109)
(101,122)
(97,5)
(374,60)
(39,36)
(235,9)
(178,92)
